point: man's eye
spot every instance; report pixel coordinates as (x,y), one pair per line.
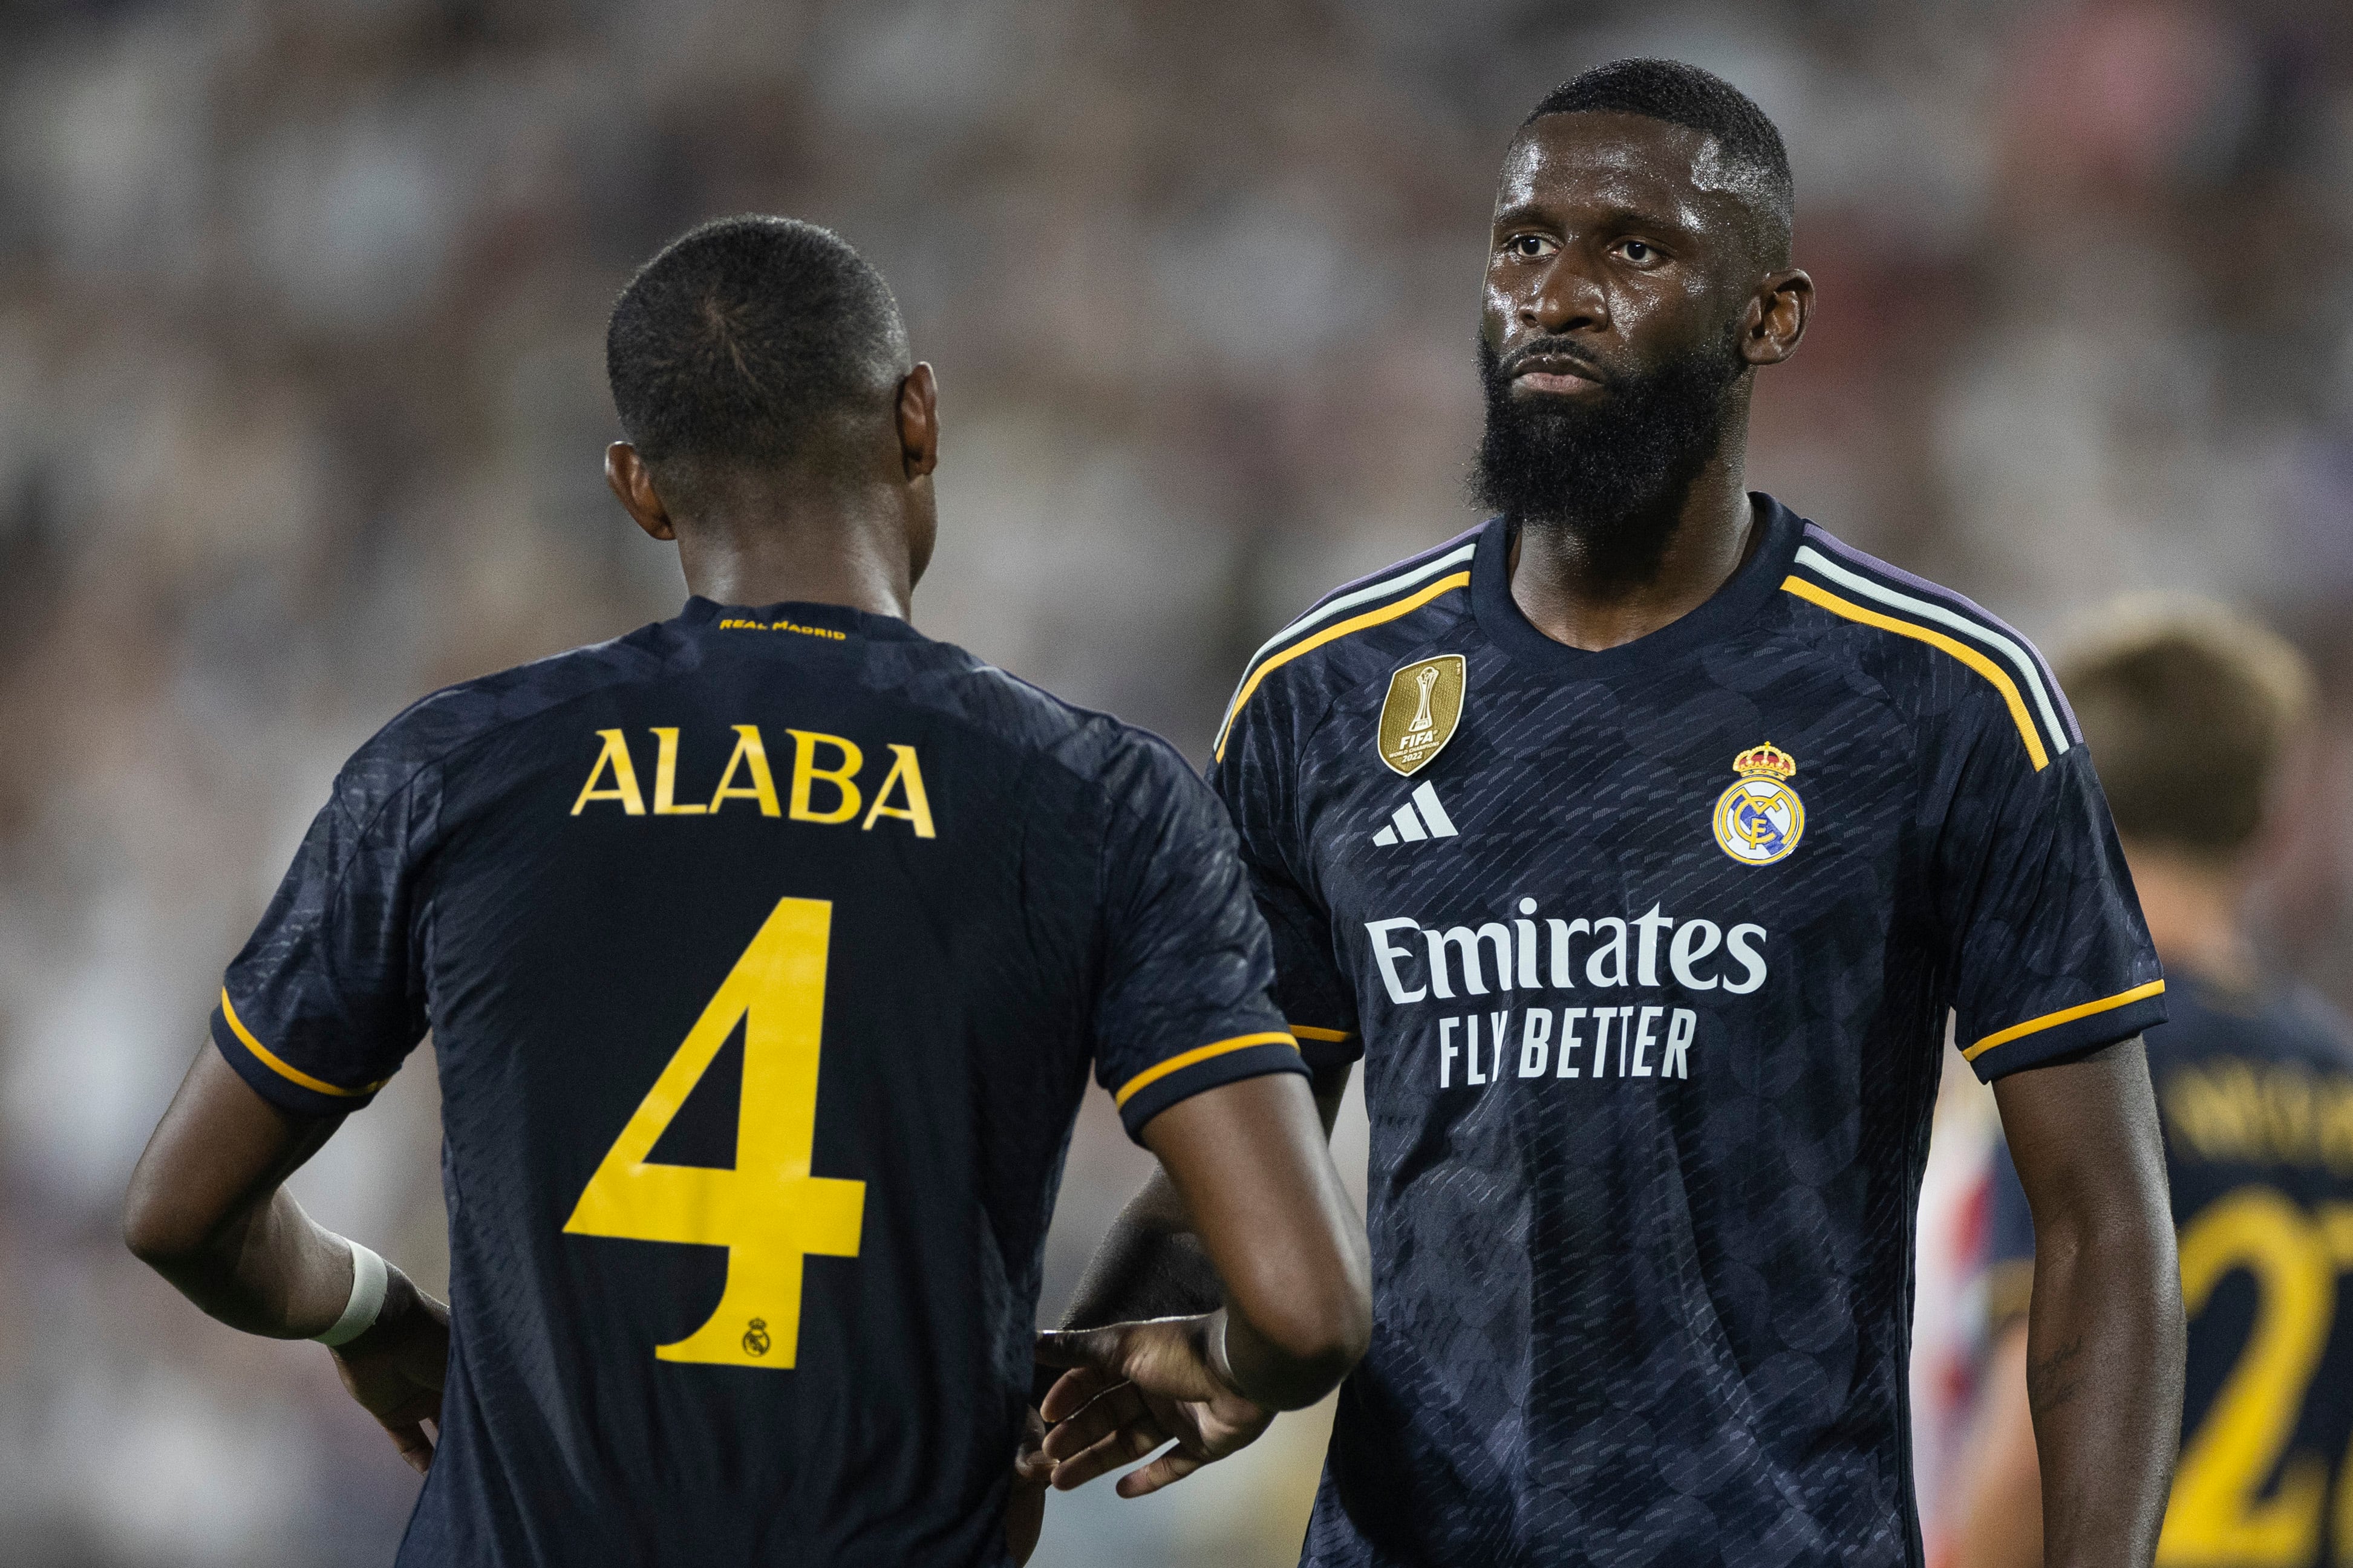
(1528,245)
(1634,250)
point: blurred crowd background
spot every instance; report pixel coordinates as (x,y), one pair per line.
(302,406)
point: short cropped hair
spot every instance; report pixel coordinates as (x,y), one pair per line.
(1680,94)
(746,341)
(2188,709)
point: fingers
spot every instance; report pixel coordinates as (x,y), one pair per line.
(1097,1348)
(1075,1390)
(415,1448)
(1124,1446)
(1032,1469)
(1167,1470)
(1075,1435)
(421,1404)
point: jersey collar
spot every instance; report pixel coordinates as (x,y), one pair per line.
(702,615)
(1501,623)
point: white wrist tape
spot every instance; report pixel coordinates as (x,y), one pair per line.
(360,1313)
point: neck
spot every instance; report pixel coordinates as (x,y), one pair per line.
(817,551)
(2191,903)
(1589,599)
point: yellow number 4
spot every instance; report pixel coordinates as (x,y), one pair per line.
(768,1212)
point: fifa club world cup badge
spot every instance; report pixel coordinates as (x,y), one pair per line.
(1761,819)
(1425,704)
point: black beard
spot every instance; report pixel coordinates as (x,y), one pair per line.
(1612,474)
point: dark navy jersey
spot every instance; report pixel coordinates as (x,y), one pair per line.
(1648,954)
(765,954)
(2255,1092)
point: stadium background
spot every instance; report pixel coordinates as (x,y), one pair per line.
(302,401)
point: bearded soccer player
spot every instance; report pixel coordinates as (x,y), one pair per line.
(767,951)
(1640,843)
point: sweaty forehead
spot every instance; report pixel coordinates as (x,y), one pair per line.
(1588,159)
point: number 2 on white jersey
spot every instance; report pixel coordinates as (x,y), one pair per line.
(768,1212)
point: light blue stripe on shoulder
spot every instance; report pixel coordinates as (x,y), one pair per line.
(2027,668)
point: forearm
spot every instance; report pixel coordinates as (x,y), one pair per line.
(2103,1382)
(271,1271)
(1262,1372)
(1150,1265)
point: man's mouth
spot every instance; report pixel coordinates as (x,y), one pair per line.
(1557,374)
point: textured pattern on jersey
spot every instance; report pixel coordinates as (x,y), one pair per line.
(1078,902)
(1657,1312)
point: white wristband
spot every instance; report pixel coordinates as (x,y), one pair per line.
(360,1313)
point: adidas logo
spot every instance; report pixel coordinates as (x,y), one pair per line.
(1405,827)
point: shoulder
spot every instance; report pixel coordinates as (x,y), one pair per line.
(1912,633)
(1099,752)
(425,736)
(1357,631)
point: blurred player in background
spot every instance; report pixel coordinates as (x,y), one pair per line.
(1639,842)
(2187,710)
(766,952)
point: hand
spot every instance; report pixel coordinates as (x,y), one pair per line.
(1134,1386)
(1025,1514)
(395,1369)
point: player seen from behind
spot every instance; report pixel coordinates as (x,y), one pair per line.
(767,951)
(2187,710)
(1641,842)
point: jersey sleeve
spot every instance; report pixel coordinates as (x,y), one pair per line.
(2044,934)
(1184,1006)
(1256,777)
(327,998)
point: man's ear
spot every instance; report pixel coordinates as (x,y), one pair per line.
(633,485)
(919,422)
(1776,317)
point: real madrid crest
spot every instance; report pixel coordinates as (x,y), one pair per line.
(1425,704)
(1760,818)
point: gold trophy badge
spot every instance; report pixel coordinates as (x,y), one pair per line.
(1423,710)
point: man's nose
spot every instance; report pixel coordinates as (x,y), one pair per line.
(1566,298)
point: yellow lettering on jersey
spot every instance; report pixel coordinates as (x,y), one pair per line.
(623,788)
(2235,1111)
(752,756)
(805,774)
(768,1212)
(908,774)
(666,778)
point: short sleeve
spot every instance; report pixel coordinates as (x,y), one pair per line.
(2051,957)
(1184,1006)
(1254,776)
(2010,1244)
(326,999)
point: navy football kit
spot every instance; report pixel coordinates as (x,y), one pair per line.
(764,953)
(1648,953)
(2255,1092)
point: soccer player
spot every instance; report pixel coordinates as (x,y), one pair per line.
(2187,710)
(1641,842)
(766,952)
